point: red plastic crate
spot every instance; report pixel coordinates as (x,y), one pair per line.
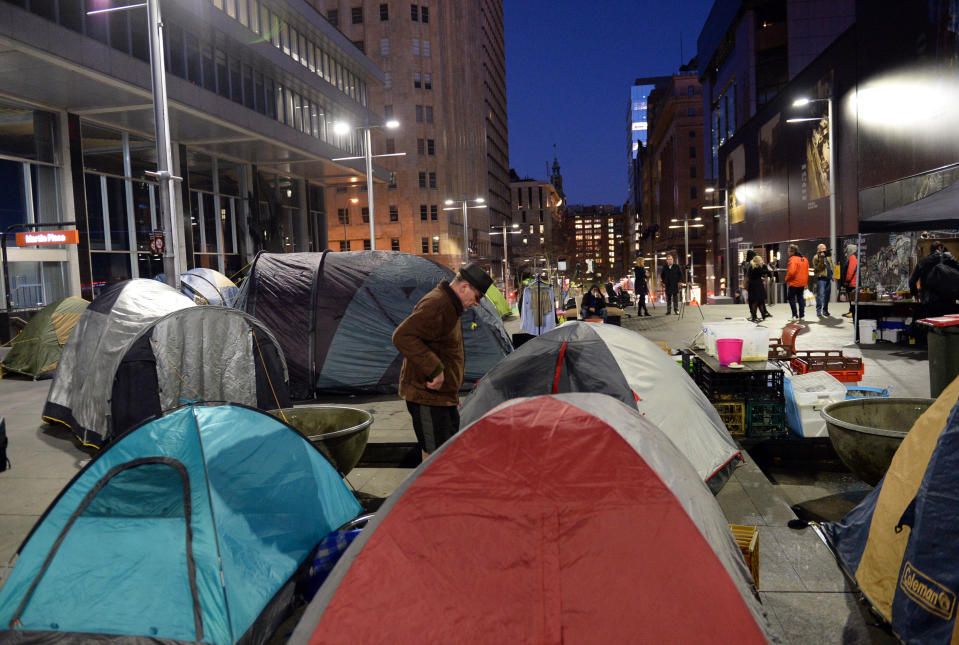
(846,369)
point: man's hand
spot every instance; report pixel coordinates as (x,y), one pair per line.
(436,383)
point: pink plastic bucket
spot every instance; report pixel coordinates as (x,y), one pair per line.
(729,350)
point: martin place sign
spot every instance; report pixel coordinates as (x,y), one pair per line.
(35,238)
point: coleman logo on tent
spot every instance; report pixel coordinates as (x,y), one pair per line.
(927,593)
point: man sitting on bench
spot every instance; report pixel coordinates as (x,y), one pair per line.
(594,304)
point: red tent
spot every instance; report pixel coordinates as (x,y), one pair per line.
(555,519)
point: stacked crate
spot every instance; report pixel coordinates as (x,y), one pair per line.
(750,403)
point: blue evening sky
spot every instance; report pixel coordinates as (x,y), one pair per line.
(569,66)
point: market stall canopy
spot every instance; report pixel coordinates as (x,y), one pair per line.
(938,210)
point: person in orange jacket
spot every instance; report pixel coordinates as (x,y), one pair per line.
(850,277)
(797,276)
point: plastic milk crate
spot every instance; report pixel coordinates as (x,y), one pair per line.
(733,414)
(766,419)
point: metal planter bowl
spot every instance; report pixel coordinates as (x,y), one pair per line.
(340,432)
(867,432)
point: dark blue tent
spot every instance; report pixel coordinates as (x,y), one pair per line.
(899,544)
(334,315)
(192,527)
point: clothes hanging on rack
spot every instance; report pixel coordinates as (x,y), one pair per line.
(537,315)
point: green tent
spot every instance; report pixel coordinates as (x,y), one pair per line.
(499,300)
(36,350)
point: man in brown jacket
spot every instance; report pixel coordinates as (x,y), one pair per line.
(431,342)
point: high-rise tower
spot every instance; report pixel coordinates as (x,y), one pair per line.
(446,84)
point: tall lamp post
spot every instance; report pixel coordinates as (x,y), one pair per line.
(800,102)
(464,205)
(505,232)
(725,207)
(341,128)
(161,119)
(686,225)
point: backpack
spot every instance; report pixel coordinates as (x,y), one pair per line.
(943,281)
(4,462)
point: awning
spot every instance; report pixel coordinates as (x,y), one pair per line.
(938,210)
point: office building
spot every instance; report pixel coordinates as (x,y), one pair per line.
(673,175)
(445,82)
(253,86)
(537,213)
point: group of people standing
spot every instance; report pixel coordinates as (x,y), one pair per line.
(797,280)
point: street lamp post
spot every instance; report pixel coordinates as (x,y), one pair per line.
(506,233)
(725,207)
(161,118)
(465,205)
(834,293)
(341,128)
(685,225)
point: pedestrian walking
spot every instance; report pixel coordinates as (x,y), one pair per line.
(756,288)
(641,287)
(849,276)
(797,277)
(431,342)
(822,270)
(671,276)
(935,280)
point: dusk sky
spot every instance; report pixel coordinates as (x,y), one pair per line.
(569,66)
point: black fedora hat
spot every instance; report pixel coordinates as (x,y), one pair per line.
(475,275)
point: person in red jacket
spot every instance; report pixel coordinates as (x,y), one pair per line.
(850,278)
(797,276)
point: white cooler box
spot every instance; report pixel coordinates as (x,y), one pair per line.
(811,393)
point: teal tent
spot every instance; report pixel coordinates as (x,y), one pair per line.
(193,527)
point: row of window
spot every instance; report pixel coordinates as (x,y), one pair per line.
(345,245)
(417,14)
(431,177)
(260,20)
(343,214)
(427,243)
(426,147)
(196,59)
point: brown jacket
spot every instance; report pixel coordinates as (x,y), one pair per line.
(431,341)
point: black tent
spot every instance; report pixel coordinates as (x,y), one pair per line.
(334,315)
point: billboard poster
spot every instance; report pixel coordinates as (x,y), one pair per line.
(772,166)
(736,175)
(815,165)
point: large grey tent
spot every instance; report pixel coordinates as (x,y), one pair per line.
(334,315)
(142,348)
(586,357)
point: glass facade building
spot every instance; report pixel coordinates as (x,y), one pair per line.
(253,90)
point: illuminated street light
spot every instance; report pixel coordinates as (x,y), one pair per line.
(685,225)
(342,128)
(725,207)
(464,204)
(506,235)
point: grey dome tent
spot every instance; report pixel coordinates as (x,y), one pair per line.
(334,315)
(142,348)
(585,357)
